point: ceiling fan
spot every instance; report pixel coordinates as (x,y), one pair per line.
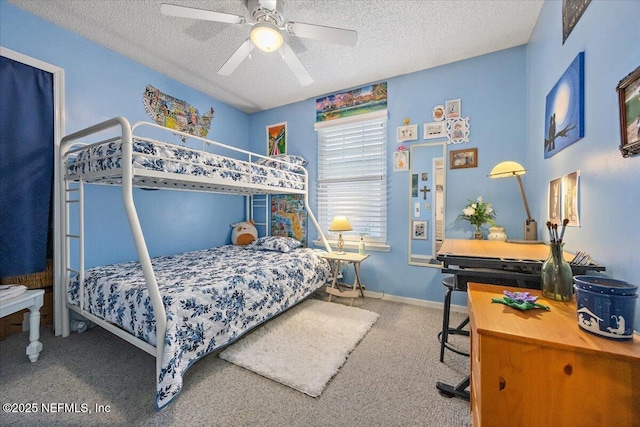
(266,18)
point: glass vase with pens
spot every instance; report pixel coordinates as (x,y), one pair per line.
(556,274)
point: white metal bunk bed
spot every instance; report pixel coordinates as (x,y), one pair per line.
(126,162)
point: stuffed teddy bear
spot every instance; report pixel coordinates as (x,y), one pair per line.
(243,233)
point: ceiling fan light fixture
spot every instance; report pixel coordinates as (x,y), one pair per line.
(266,36)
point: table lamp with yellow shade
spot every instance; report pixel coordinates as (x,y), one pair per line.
(340,224)
(512,169)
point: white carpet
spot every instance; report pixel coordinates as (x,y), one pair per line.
(304,347)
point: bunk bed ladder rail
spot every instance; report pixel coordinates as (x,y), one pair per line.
(255,203)
(73,196)
(136,231)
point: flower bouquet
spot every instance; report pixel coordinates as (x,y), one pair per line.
(478,213)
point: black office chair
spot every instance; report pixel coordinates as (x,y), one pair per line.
(451,283)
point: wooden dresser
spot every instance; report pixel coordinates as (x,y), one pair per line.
(537,368)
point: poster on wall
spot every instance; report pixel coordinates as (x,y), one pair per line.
(277,139)
(174,113)
(572,10)
(365,99)
(564,110)
(289,217)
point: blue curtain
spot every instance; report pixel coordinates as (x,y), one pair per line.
(26,166)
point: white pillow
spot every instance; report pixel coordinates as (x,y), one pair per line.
(274,243)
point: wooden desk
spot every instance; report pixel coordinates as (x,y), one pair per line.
(537,368)
(502,263)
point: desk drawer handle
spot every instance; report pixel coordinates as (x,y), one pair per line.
(501,383)
(568,369)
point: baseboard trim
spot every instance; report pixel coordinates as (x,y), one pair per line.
(415,301)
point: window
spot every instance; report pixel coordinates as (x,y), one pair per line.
(352,177)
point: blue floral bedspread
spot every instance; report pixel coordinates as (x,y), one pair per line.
(164,157)
(211,298)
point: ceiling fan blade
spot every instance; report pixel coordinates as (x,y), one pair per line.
(236,59)
(296,66)
(193,13)
(322,33)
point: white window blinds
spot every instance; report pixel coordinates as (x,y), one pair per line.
(352,177)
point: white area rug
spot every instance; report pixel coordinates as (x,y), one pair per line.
(304,347)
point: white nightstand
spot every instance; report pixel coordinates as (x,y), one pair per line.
(339,260)
(33,300)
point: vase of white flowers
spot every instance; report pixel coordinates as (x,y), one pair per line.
(478,213)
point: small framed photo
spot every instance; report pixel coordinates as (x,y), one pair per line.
(419,230)
(570,197)
(277,139)
(458,130)
(425,176)
(629,101)
(555,200)
(400,161)
(407,133)
(452,109)
(434,130)
(438,113)
(467,158)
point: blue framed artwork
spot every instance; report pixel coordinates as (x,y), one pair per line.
(564,111)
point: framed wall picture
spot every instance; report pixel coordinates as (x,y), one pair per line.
(400,161)
(564,109)
(570,197)
(458,130)
(407,133)
(453,108)
(572,10)
(555,201)
(438,113)
(277,139)
(629,101)
(419,230)
(434,130)
(467,158)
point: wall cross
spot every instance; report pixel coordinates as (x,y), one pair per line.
(424,190)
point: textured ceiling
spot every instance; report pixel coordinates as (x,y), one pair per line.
(395,37)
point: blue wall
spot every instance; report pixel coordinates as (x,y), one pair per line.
(608,33)
(493,93)
(502,93)
(100,84)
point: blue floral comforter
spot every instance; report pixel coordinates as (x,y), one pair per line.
(160,156)
(211,298)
